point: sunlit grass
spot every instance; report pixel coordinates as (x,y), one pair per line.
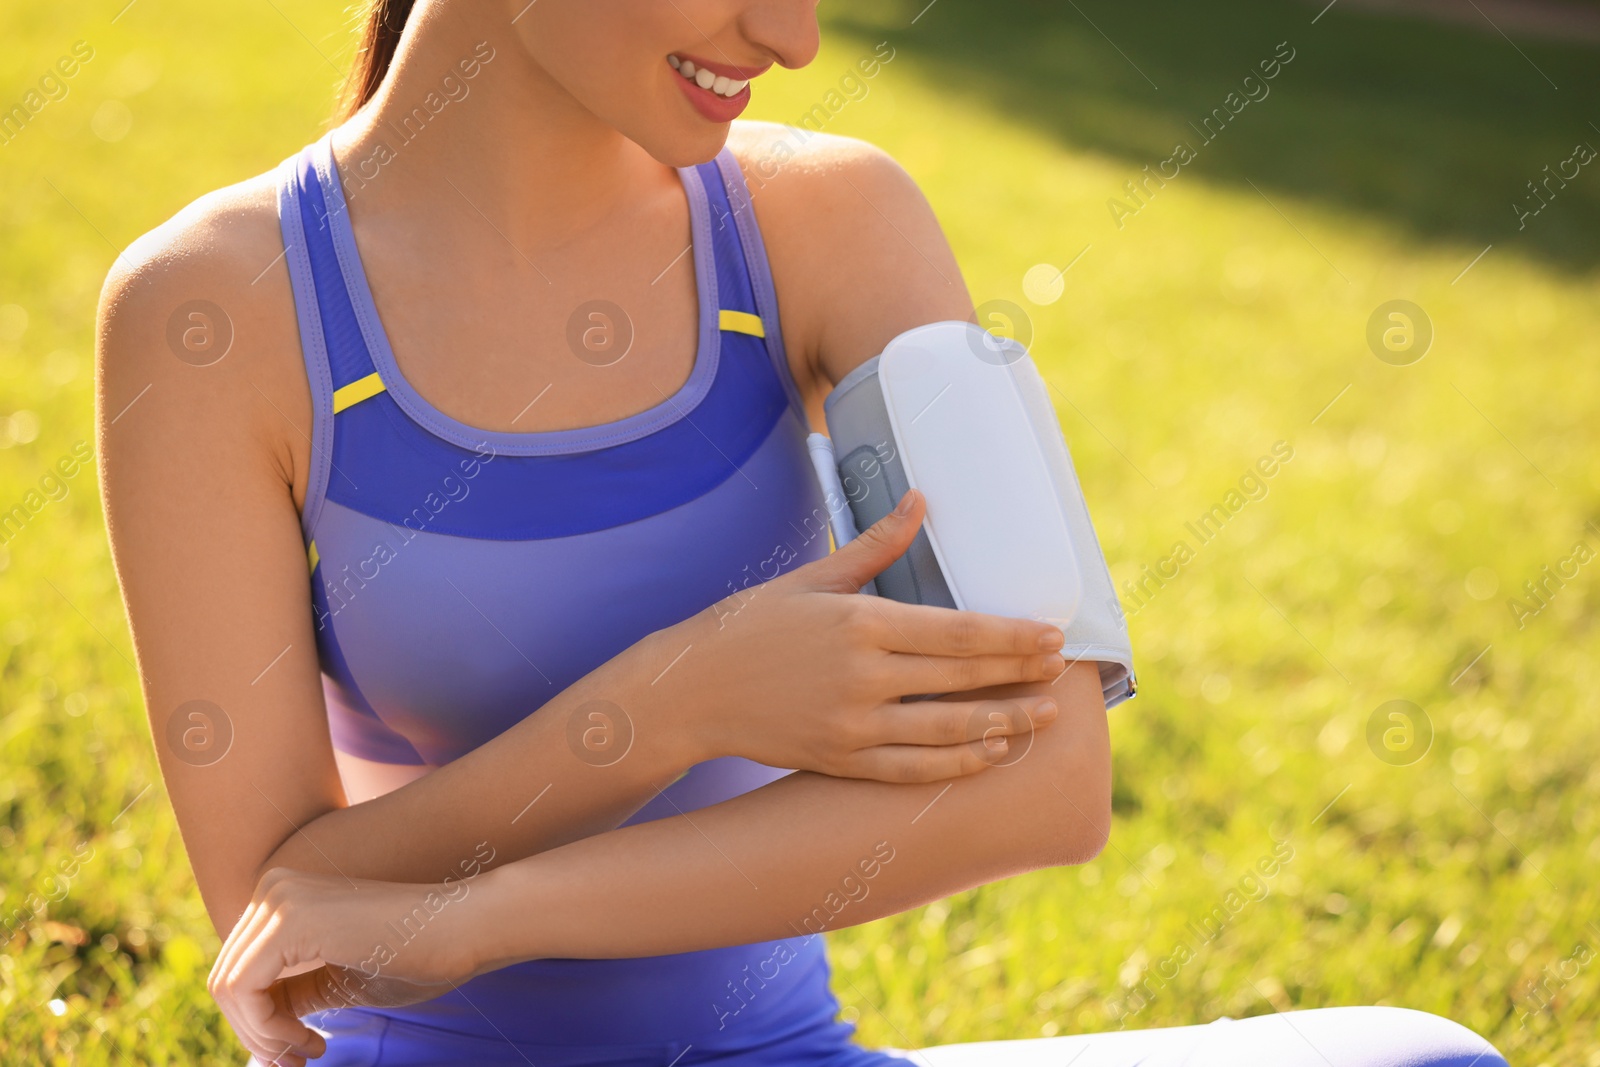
(1221,319)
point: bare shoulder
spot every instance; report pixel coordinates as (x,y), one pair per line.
(196,335)
(769,148)
(209,245)
(857,252)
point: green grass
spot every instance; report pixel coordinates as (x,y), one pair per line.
(1226,315)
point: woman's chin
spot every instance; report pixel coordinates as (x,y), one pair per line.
(686,145)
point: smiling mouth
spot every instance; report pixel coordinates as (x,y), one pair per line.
(707,79)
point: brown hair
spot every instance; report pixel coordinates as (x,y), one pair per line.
(380,37)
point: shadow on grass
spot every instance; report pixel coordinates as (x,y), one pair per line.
(1429,127)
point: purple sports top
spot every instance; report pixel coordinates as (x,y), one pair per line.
(462,577)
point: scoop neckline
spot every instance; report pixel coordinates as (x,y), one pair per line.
(535,442)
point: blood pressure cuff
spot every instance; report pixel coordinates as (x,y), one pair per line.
(963,416)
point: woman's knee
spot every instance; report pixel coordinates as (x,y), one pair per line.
(1391,1037)
(1441,1042)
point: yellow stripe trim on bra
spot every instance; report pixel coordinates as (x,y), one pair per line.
(357,391)
(741,322)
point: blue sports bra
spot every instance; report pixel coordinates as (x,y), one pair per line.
(462,577)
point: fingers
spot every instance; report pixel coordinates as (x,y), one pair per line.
(256,952)
(855,564)
(914,763)
(270,1035)
(956,674)
(219,985)
(906,764)
(942,723)
(232,947)
(282,1033)
(265,1024)
(994,733)
(936,631)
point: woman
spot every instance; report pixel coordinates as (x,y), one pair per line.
(499,359)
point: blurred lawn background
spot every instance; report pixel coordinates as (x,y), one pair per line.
(1228,313)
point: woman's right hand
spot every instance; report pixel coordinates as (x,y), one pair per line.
(803,672)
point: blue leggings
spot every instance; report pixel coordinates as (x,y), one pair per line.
(1321,1037)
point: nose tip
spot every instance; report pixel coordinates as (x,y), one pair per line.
(788,32)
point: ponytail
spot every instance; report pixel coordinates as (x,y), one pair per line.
(380,37)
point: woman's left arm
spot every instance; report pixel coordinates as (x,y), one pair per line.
(809,853)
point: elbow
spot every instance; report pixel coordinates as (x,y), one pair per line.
(1062,781)
(1073,796)
(1075,817)
(1073,785)
(1070,801)
(1085,838)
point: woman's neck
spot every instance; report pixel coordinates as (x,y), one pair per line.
(466,113)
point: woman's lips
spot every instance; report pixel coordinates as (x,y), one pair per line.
(713,105)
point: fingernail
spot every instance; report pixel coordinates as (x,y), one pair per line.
(904,507)
(1052,639)
(1045,710)
(1054,665)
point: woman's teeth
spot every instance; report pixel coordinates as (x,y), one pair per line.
(717,83)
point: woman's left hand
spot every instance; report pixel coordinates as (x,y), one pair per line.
(380,944)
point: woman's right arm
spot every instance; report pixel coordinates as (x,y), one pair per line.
(199,478)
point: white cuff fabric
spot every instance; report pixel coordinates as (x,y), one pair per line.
(964,417)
